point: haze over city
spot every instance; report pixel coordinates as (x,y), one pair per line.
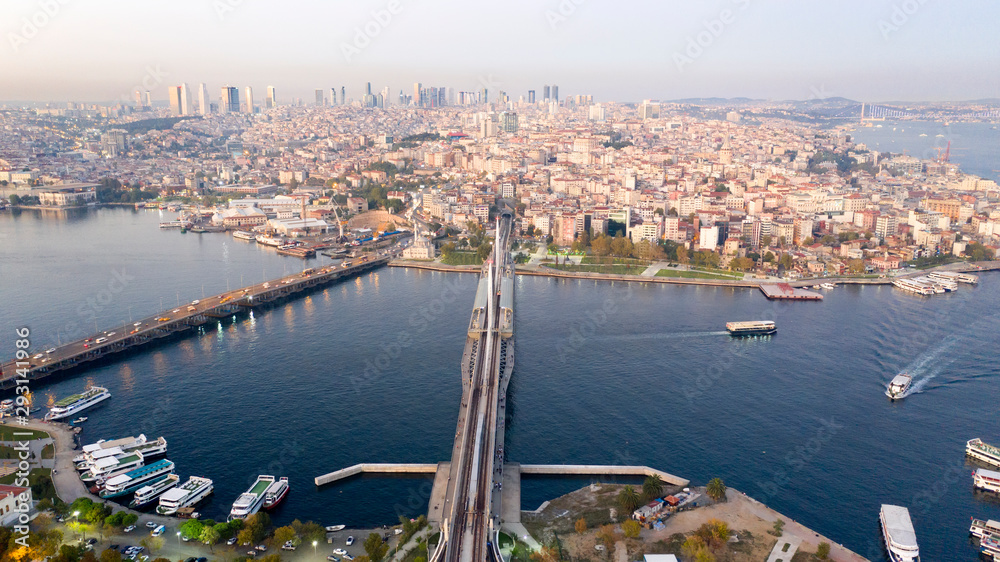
(911,50)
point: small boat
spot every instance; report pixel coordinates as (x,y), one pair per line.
(898,386)
(828,286)
(80,419)
(243,235)
(335,528)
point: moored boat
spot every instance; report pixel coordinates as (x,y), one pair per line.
(978,450)
(135,479)
(149,492)
(107,467)
(898,534)
(988,480)
(981,528)
(243,235)
(898,386)
(268,240)
(276,493)
(335,528)
(70,405)
(124,442)
(185,495)
(252,500)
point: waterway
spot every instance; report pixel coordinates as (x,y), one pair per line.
(368,370)
(973,145)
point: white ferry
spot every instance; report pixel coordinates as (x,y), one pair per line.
(244,235)
(898,386)
(949,285)
(135,479)
(982,529)
(988,480)
(954,276)
(124,442)
(112,466)
(150,492)
(185,495)
(897,532)
(978,450)
(148,450)
(991,547)
(276,493)
(252,500)
(752,328)
(71,405)
(268,240)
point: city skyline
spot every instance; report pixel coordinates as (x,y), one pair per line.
(906,50)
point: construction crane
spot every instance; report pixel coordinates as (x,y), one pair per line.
(946,156)
(340,224)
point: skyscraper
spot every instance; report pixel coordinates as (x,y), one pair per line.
(555,93)
(249,92)
(147,99)
(138,99)
(546,93)
(272,97)
(484,96)
(343,95)
(508,122)
(204,106)
(174,95)
(416,93)
(319,98)
(333,96)
(368,89)
(230,101)
(531,97)
(185,100)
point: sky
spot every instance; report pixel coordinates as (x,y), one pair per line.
(625,50)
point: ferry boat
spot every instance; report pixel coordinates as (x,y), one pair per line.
(914,286)
(268,240)
(148,450)
(112,466)
(987,480)
(990,546)
(897,532)
(982,529)
(276,493)
(978,450)
(243,235)
(71,405)
(150,492)
(251,501)
(898,386)
(185,495)
(92,448)
(954,276)
(135,479)
(752,328)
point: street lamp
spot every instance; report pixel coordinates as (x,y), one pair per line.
(178,537)
(314,547)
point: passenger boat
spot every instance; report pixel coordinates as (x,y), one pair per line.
(898,386)
(149,492)
(897,532)
(981,529)
(268,240)
(276,493)
(148,450)
(978,450)
(990,546)
(185,495)
(954,276)
(134,479)
(252,500)
(243,235)
(107,467)
(988,480)
(77,403)
(751,328)
(914,286)
(92,448)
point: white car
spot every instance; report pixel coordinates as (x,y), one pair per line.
(129,529)
(151,524)
(195,301)
(339,551)
(350,540)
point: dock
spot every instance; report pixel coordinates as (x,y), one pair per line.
(375,468)
(184,318)
(784,291)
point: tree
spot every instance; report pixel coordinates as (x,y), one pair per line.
(628,500)
(786,261)
(714,532)
(581,525)
(284,534)
(191,529)
(741,264)
(152,544)
(768,257)
(245,536)
(856,267)
(652,486)
(484,251)
(631,528)
(601,245)
(716,489)
(14,199)
(644,250)
(809,241)
(376,548)
(693,545)
(209,536)
(765,240)
(682,255)
(621,247)
(608,536)
(779,528)
(823,551)
(111,555)
(545,554)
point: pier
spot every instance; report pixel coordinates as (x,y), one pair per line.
(784,291)
(185,317)
(375,468)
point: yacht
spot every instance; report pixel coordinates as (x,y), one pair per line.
(135,479)
(252,500)
(150,492)
(244,235)
(268,240)
(987,480)
(828,286)
(71,405)
(978,450)
(276,493)
(981,529)
(752,328)
(898,386)
(112,466)
(897,532)
(185,495)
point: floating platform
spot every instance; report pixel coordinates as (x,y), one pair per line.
(297,252)
(784,291)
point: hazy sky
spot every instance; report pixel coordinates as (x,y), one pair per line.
(625,50)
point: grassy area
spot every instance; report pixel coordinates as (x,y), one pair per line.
(40,480)
(462,258)
(596,260)
(683,274)
(48,451)
(7,433)
(608,269)
(717,271)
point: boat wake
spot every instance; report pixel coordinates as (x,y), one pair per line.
(664,336)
